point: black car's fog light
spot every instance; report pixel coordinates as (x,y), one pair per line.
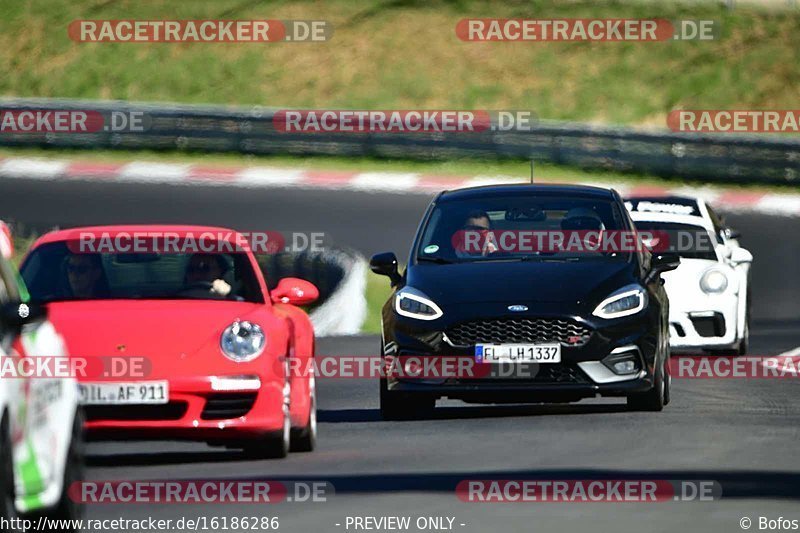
(624,361)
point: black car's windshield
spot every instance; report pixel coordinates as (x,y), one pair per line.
(687,240)
(54,272)
(524,227)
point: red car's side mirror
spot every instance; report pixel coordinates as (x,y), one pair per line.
(294,291)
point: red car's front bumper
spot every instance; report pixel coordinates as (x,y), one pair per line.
(195,412)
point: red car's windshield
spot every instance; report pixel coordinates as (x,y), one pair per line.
(54,272)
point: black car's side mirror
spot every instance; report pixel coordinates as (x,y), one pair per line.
(385,264)
(17,314)
(663,263)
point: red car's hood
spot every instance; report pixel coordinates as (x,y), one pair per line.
(160,329)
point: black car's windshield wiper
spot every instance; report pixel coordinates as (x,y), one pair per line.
(434,259)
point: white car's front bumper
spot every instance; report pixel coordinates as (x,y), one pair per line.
(716,328)
(699,319)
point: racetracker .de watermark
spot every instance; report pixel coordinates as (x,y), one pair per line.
(13,121)
(588,29)
(586,490)
(96,368)
(735,121)
(199,31)
(744,367)
(220,242)
(411,367)
(200,491)
(562,241)
(401,121)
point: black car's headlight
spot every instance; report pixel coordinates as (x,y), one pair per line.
(415,304)
(628,300)
(242,341)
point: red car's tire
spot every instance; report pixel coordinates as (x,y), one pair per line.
(272,446)
(305,439)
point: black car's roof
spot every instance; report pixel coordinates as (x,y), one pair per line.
(483,191)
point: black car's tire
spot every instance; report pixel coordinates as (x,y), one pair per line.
(654,399)
(8,510)
(273,445)
(305,439)
(67,510)
(400,406)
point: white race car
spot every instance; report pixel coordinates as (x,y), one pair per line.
(685,205)
(709,292)
(40,424)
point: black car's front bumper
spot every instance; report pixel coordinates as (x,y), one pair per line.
(582,373)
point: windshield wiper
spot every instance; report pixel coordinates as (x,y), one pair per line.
(434,259)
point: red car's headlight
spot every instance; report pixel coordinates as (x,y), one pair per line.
(242,341)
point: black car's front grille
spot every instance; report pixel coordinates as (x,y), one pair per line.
(169,411)
(509,330)
(537,374)
(228,405)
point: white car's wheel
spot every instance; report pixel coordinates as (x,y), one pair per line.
(67,510)
(8,510)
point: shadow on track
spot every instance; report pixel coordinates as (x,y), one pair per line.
(484,411)
(752,484)
(163,458)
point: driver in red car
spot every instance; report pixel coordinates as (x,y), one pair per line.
(86,276)
(208,269)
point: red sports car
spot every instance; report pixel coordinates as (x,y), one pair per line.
(209,345)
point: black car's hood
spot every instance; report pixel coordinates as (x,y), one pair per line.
(520,281)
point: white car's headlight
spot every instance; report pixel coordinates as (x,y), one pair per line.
(242,341)
(414,304)
(628,300)
(714,281)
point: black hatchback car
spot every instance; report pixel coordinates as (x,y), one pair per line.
(525,294)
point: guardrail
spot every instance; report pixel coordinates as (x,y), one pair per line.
(720,157)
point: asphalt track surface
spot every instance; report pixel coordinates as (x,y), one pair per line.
(741,433)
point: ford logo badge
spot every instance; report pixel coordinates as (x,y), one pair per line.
(517,308)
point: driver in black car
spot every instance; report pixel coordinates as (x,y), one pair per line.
(477,221)
(207,269)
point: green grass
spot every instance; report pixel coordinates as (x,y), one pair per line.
(22,242)
(404,54)
(378,291)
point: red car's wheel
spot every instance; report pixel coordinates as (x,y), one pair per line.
(305,439)
(272,446)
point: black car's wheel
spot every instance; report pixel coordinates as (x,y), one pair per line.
(400,406)
(305,439)
(8,510)
(68,510)
(653,400)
